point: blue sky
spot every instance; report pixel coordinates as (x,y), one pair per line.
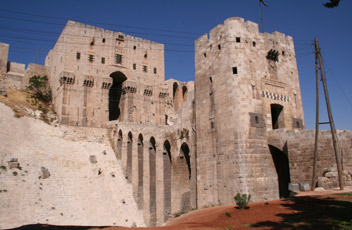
(32,27)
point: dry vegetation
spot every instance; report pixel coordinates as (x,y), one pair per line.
(24,103)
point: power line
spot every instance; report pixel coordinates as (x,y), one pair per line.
(102,23)
(338,84)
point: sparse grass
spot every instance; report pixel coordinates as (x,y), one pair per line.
(228,228)
(343,194)
(179,213)
(15,173)
(3,167)
(228,214)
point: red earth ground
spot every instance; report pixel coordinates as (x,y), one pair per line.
(310,211)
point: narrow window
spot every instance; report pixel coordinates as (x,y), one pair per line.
(118,58)
(219,47)
(154,70)
(78,55)
(212,124)
(91,58)
(254,44)
(103,60)
(234,70)
(134,47)
(256,119)
(238,39)
(121,38)
(145,55)
(103,40)
(134,66)
(145,68)
(92,42)
(205,54)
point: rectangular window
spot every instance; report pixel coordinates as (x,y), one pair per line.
(118,59)
(238,39)
(78,56)
(103,60)
(134,66)
(145,68)
(91,58)
(234,70)
(154,70)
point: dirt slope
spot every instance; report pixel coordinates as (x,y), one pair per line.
(77,192)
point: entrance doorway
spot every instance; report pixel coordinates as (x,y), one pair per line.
(282,169)
(277,116)
(115,94)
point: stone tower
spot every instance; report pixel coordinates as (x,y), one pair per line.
(99,76)
(246,83)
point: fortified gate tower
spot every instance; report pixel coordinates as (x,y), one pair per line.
(246,83)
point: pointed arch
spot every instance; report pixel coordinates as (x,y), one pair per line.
(184,93)
(152,180)
(140,150)
(167,179)
(129,156)
(282,167)
(119,145)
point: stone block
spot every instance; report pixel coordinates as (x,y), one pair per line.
(93,159)
(331,174)
(45,173)
(293,187)
(304,187)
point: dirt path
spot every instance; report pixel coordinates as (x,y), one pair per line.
(322,211)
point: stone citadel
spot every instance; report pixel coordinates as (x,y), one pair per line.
(239,127)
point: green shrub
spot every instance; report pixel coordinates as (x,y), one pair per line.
(3,167)
(15,173)
(228,214)
(242,200)
(39,85)
(179,213)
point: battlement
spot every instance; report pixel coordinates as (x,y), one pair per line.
(237,28)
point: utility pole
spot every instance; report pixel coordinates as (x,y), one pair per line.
(331,121)
(314,178)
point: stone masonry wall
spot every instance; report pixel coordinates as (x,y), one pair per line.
(300,148)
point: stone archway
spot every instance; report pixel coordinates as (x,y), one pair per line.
(282,167)
(115,93)
(152,181)
(182,179)
(129,157)
(140,150)
(119,145)
(167,179)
